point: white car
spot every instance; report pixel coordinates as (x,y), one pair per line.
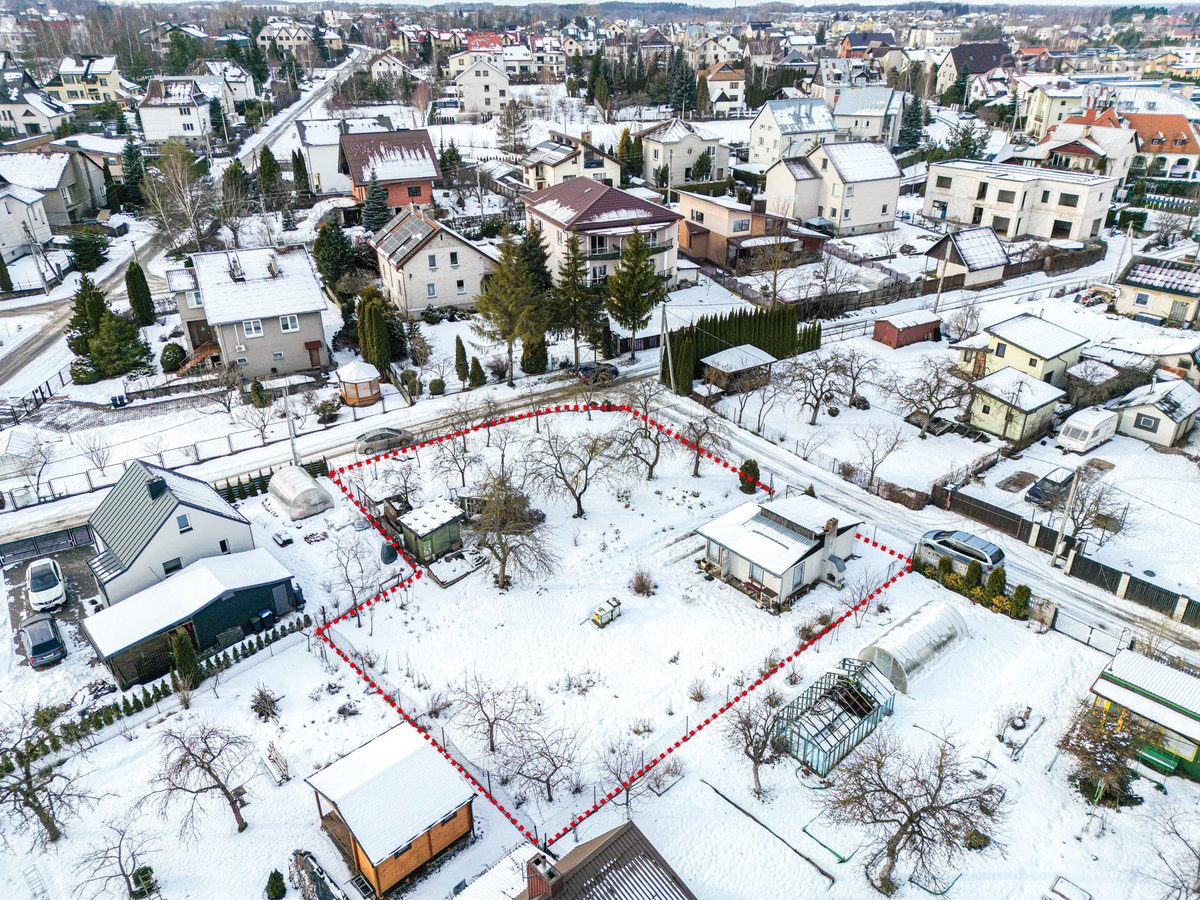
(44,581)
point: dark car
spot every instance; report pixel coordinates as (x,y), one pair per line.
(598,373)
(41,642)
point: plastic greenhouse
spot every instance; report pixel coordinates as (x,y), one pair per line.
(298,493)
(903,649)
(833,716)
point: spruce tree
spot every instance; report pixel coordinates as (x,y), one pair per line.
(911,125)
(638,163)
(141,305)
(507,306)
(133,173)
(183,657)
(634,290)
(461,368)
(331,252)
(117,347)
(5,278)
(88,308)
(478,378)
(235,182)
(537,262)
(270,185)
(376,212)
(256,64)
(300,179)
(575,308)
(88,250)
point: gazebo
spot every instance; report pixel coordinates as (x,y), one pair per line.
(358,382)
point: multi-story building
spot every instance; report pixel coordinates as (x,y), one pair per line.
(424,263)
(71,184)
(723,231)
(87,79)
(1019,201)
(785,129)
(403,161)
(1169,145)
(1049,105)
(175,109)
(482,91)
(678,144)
(842,189)
(869,114)
(726,88)
(237,82)
(320,144)
(1082,148)
(563,157)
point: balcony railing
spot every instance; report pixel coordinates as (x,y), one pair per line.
(593,163)
(615,253)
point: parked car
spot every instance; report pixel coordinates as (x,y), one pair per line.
(961,548)
(1050,488)
(41,641)
(44,581)
(598,373)
(381,440)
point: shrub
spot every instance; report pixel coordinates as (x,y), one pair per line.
(477,377)
(437,387)
(327,410)
(1018,603)
(997,584)
(977,840)
(172,357)
(749,477)
(83,372)
(258,395)
(276,889)
(144,882)
(974,576)
(411,381)
(945,568)
(698,690)
(642,583)
(497,367)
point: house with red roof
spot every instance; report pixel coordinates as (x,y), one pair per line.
(1170,144)
(403,161)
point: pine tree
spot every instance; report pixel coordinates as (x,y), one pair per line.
(461,368)
(576,308)
(507,306)
(957,92)
(5,278)
(625,153)
(376,213)
(133,173)
(300,179)
(820,35)
(477,379)
(911,126)
(141,304)
(276,888)
(595,76)
(331,252)
(634,289)
(117,347)
(88,308)
(216,116)
(183,657)
(702,98)
(450,160)
(270,180)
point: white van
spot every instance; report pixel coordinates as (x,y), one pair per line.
(1087,429)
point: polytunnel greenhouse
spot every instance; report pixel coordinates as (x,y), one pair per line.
(902,650)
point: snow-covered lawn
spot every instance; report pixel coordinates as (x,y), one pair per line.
(15,330)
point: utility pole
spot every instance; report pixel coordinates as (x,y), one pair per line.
(666,344)
(1062,526)
(287,411)
(941,276)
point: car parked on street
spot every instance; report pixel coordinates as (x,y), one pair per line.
(961,548)
(597,373)
(382,440)
(44,582)
(41,641)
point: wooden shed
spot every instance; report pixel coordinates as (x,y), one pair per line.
(358,383)
(740,368)
(903,329)
(432,530)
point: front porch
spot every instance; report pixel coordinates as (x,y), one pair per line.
(764,598)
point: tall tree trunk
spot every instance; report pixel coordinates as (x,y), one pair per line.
(233,804)
(511,383)
(45,819)
(754,775)
(578,506)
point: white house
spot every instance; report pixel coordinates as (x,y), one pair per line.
(562,157)
(424,263)
(482,90)
(27,110)
(175,109)
(677,144)
(320,140)
(869,113)
(778,549)
(153,523)
(71,183)
(840,188)
(785,129)
(1161,413)
(388,65)
(238,82)
(21,208)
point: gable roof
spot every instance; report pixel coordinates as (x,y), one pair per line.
(1036,335)
(1166,128)
(39,171)
(860,40)
(861,161)
(174,91)
(723,71)
(1020,391)
(802,115)
(674,130)
(869,100)
(404,155)
(129,517)
(981,57)
(408,231)
(1106,117)
(977,248)
(1171,276)
(328,132)
(257,284)
(1177,400)
(582,202)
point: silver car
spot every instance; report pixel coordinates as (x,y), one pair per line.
(961,547)
(382,440)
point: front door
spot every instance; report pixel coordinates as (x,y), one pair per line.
(314,353)
(980,365)
(1179,311)
(199,334)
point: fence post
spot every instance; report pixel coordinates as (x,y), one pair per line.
(1122,585)
(1181,606)
(1034,530)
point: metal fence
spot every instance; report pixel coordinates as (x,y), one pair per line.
(1102,640)
(40,545)
(17,408)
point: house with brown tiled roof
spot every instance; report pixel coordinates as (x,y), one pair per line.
(1170,144)
(402,161)
(726,88)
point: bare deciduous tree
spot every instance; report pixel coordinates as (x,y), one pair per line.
(707,436)
(813,378)
(920,807)
(229,384)
(510,531)
(179,200)
(455,458)
(201,762)
(938,388)
(749,728)
(567,465)
(855,368)
(96,447)
(256,418)
(544,756)
(887,242)
(875,444)
(962,321)
(770,392)
(32,465)
(113,859)
(494,711)
(354,567)
(1098,510)
(860,585)
(619,760)
(1177,848)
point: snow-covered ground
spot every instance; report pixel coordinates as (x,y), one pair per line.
(14,330)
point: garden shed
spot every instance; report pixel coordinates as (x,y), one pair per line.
(358,383)
(298,493)
(906,328)
(740,368)
(902,650)
(432,530)
(833,716)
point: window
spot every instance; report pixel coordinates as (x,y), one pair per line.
(1144,422)
(985,409)
(1045,196)
(188,126)
(1000,224)
(414,190)
(241,361)
(402,850)
(431,290)
(460,286)
(1033,362)
(756,573)
(1006,196)
(656,150)
(833,212)
(836,189)
(825,165)
(884,210)
(559,233)
(194,300)
(184,523)
(288,324)
(1001,349)
(277,356)
(849,190)
(1068,199)
(599,273)
(981,193)
(741,224)
(943,181)
(171,566)
(432,259)
(454,258)
(487,101)
(846,213)
(252,328)
(224,546)
(697,216)
(183,112)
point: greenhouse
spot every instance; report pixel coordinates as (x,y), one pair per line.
(833,716)
(298,493)
(902,650)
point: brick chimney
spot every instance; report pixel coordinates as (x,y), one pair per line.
(541,878)
(831,530)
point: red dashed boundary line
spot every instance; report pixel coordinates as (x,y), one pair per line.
(322,631)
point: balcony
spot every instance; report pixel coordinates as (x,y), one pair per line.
(593,163)
(615,253)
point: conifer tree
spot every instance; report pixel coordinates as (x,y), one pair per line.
(88,308)
(634,290)
(141,304)
(5,279)
(625,153)
(117,347)
(477,378)
(911,125)
(331,252)
(216,116)
(461,368)
(507,306)
(300,179)
(270,182)
(183,657)
(575,308)
(133,173)
(377,348)
(376,211)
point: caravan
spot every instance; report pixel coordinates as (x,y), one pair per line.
(1087,429)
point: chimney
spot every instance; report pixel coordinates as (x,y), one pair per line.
(541,878)
(830,537)
(156,487)
(586,137)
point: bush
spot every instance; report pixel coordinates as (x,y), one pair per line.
(477,377)
(977,840)
(327,410)
(83,372)
(172,357)
(411,382)
(258,395)
(437,387)
(997,584)
(642,583)
(497,367)
(276,889)
(144,882)
(1018,603)
(748,477)
(945,568)
(974,576)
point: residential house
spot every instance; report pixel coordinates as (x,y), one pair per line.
(1050,105)
(1095,149)
(1012,405)
(563,157)
(27,110)
(87,80)
(425,263)
(158,36)
(214,87)
(482,90)
(972,257)
(928,36)
(711,51)
(286,35)
(154,523)
(1025,343)
(388,65)
(1019,201)
(1161,290)
(603,217)
(977,57)
(677,144)
(320,144)
(403,161)
(392,806)
(1169,145)
(787,129)
(1163,700)
(835,74)
(215,601)
(260,309)
(1178,355)
(855,44)
(1160,413)
(777,550)
(237,82)
(730,234)
(103,151)
(842,189)
(869,114)
(620,864)
(175,109)
(71,184)
(22,219)
(726,88)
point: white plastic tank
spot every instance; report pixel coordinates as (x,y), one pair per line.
(909,644)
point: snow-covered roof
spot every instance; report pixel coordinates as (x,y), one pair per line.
(251,284)
(405,155)
(738,359)
(1130,677)
(40,171)
(181,280)
(725,202)
(1024,173)
(174,91)
(429,517)
(25,195)
(873,100)
(862,161)
(48,106)
(1018,390)
(1164,275)
(92,143)
(357,372)
(1037,335)
(87,65)
(176,599)
(328,132)
(1092,371)
(1175,399)
(674,130)
(505,880)
(801,116)
(390,790)
(979,248)
(911,319)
